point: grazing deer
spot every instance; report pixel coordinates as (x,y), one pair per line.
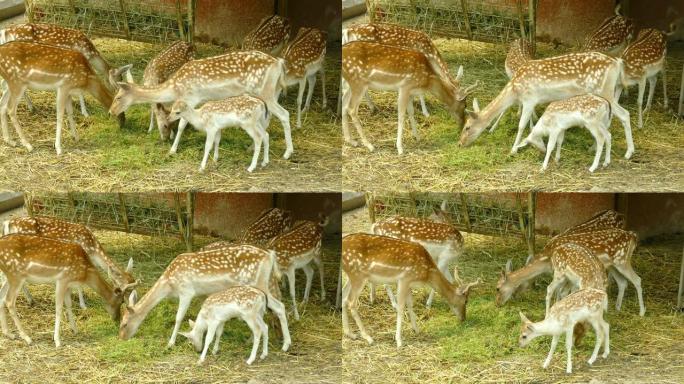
(586,305)
(246,112)
(215,78)
(26,65)
(157,71)
(75,233)
(644,59)
(203,273)
(381,259)
(546,80)
(270,36)
(35,259)
(591,111)
(297,249)
(442,241)
(602,220)
(612,35)
(304,57)
(270,223)
(244,302)
(367,65)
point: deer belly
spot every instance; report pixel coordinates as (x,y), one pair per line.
(43,81)
(304,258)
(381,273)
(437,250)
(212,284)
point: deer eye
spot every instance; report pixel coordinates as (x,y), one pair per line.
(524,336)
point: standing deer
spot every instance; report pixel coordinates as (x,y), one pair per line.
(546,80)
(270,36)
(35,259)
(367,65)
(602,220)
(215,78)
(612,36)
(304,58)
(270,223)
(26,65)
(381,259)
(203,273)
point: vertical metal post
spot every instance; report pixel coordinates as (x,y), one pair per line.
(466,20)
(521,18)
(124,213)
(179,215)
(464,209)
(191,20)
(532,10)
(189,216)
(532,210)
(122,4)
(179,19)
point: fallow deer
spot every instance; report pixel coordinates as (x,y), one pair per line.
(602,220)
(612,35)
(215,78)
(381,259)
(270,36)
(367,65)
(26,65)
(270,223)
(586,305)
(35,259)
(203,273)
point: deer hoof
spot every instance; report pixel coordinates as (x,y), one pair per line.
(287,154)
(286,346)
(11,143)
(29,147)
(351,335)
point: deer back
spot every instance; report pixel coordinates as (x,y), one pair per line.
(603,220)
(306,49)
(167,62)
(416,229)
(648,49)
(43,259)
(580,261)
(269,36)
(591,300)
(611,246)
(270,223)
(518,54)
(613,32)
(302,239)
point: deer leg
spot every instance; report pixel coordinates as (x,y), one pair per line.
(325,100)
(208,145)
(568,348)
(623,115)
(524,118)
(265,143)
(369,101)
(300,95)
(651,90)
(279,309)
(600,141)
(4,102)
(70,119)
(372,292)
(402,292)
(3,310)
(181,127)
(665,100)
(256,337)
(598,330)
(27,294)
(345,316)
(308,271)
(151,127)
(423,107)
(319,265)
(554,285)
(403,100)
(217,143)
(606,338)
(62,99)
(211,332)
(70,312)
(496,123)
(281,113)
(29,102)
(412,120)
(61,292)
(264,332)
(627,271)
(10,303)
(412,315)
(81,101)
(183,305)
(353,111)
(311,82)
(291,282)
(352,301)
(640,101)
(559,145)
(621,285)
(608,139)
(14,102)
(549,149)
(217,339)
(81,298)
(255,134)
(390,295)
(554,343)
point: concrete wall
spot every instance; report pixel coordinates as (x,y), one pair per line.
(570,21)
(652,214)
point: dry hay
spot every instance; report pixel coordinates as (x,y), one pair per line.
(484,349)
(95,354)
(436,163)
(108,158)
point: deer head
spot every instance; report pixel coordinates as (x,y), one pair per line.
(123,99)
(458,298)
(527,331)
(474,125)
(177,109)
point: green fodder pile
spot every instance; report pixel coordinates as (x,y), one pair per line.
(95,354)
(435,162)
(108,158)
(484,349)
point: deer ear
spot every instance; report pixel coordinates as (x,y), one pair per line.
(508,266)
(476,105)
(129,267)
(459,73)
(524,318)
(472,115)
(192,323)
(133,297)
(118,291)
(130,310)
(124,86)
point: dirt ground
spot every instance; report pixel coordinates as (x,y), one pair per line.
(484,349)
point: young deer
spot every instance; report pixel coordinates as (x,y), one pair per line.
(26,65)
(297,249)
(367,65)
(203,273)
(304,58)
(247,112)
(75,233)
(270,223)
(215,78)
(381,259)
(602,220)
(546,80)
(442,241)
(35,259)
(612,35)
(157,71)
(270,36)
(586,305)
(590,111)
(244,302)
(644,59)
(519,53)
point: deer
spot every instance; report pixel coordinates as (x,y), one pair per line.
(546,80)
(244,302)
(382,259)
(202,273)
(270,36)
(26,65)
(53,228)
(297,249)
(367,65)
(644,59)
(304,58)
(269,224)
(605,219)
(245,111)
(612,36)
(590,111)
(35,259)
(442,241)
(215,78)
(586,305)
(157,71)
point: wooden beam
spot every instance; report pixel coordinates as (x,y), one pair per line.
(179,20)
(464,208)
(189,215)
(122,210)
(532,211)
(521,18)
(680,293)
(532,10)
(466,20)
(680,111)
(122,4)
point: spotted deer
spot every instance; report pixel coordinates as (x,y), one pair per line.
(244,302)
(26,65)
(586,305)
(644,59)
(612,36)
(269,224)
(215,78)
(590,111)
(442,241)
(297,249)
(75,233)
(304,58)
(382,259)
(546,80)
(35,259)
(602,220)
(157,71)
(270,36)
(203,273)
(246,112)
(51,34)
(367,65)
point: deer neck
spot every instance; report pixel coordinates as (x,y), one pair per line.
(101,287)
(528,272)
(440,284)
(193,117)
(443,88)
(159,291)
(100,92)
(504,100)
(163,93)
(548,326)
